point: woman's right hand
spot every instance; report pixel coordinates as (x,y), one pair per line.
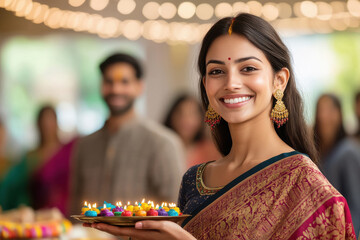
(147,230)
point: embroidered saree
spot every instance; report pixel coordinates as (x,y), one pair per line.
(285,197)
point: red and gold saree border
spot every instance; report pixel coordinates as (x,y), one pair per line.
(238,180)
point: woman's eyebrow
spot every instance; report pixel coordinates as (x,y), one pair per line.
(236,61)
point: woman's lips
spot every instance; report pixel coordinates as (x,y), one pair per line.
(235,101)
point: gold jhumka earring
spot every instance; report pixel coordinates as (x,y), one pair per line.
(212,118)
(279,113)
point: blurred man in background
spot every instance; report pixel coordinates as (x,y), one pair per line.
(357,112)
(129,158)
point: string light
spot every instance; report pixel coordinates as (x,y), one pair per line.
(255,8)
(309,17)
(167,10)
(223,10)
(151,10)
(240,7)
(204,11)
(308,9)
(354,7)
(186,10)
(76,3)
(98,5)
(126,6)
(270,11)
(284,10)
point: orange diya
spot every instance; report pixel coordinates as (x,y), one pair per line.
(140,213)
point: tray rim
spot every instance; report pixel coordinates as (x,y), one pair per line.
(127,221)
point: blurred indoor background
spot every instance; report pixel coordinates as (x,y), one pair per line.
(50,51)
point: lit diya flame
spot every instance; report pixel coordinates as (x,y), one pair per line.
(143,200)
(85,203)
(157,206)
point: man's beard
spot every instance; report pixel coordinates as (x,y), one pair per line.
(118,111)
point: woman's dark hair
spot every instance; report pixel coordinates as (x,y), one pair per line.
(174,107)
(262,35)
(340,132)
(122,58)
(40,116)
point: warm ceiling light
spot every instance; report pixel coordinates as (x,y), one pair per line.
(284,10)
(28,8)
(35,11)
(64,18)
(240,7)
(126,6)
(186,10)
(167,10)
(324,11)
(23,7)
(44,12)
(76,3)
(204,11)
(337,24)
(82,19)
(98,5)
(7,3)
(110,26)
(297,9)
(223,10)
(255,7)
(270,11)
(309,9)
(151,10)
(157,31)
(20,5)
(132,29)
(92,23)
(54,17)
(338,7)
(354,7)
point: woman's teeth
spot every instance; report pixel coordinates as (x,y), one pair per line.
(236,100)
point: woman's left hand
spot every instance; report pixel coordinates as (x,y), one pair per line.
(146,230)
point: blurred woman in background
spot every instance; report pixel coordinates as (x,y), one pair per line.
(15,189)
(339,154)
(186,118)
(4,161)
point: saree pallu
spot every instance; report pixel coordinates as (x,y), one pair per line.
(286,198)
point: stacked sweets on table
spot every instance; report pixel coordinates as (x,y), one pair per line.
(138,209)
(24,222)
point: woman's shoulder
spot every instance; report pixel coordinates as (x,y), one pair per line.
(191,172)
(308,176)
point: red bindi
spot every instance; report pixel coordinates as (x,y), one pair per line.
(229,58)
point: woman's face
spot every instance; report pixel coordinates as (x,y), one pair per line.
(239,79)
(187,119)
(48,123)
(328,116)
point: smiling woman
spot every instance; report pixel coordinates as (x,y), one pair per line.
(265,186)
